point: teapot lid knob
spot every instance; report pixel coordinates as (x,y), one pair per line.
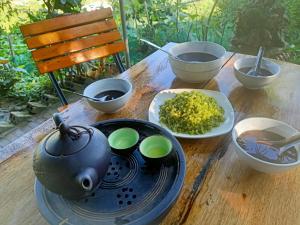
(63,128)
(67,140)
(57,119)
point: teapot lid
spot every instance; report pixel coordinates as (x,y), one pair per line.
(67,140)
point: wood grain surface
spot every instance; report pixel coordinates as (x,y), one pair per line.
(76,45)
(70,33)
(64,22)
(80,57)
(218,187)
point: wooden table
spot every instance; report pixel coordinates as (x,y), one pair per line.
(218,188)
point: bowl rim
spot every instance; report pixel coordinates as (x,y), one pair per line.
(284,165)
(194,62)
(160,136)
(257,77)
(124,128)
(113,100)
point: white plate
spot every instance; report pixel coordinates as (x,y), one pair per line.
(222,100)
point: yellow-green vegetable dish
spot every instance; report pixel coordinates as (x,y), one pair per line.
(191,113)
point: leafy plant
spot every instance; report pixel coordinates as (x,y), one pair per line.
(66,6)
(260,23)
(31,88)
(8,77)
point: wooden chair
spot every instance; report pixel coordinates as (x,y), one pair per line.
(64,41)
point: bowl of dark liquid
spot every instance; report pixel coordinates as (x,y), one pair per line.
(262,157)
(112,94)
(197,61)
(268,73)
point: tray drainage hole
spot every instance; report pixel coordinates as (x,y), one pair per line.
(133,196)
(129,203)
(117,163)
(120,167)
(130,190)
(115,173)
(124,189)
(126,195)
(108,173)
(113,168)
(121,202)
(118,196)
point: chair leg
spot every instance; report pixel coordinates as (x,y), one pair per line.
(57,89)
(119,63)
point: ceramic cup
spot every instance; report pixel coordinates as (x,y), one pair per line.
(123,140)
(156,148)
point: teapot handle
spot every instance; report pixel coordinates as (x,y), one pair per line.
(87,179)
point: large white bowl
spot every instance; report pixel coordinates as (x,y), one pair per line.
(106,85)
(260,123)
(195,72)
(255,82)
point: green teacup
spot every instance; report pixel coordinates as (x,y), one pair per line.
(123,140)
(155,148)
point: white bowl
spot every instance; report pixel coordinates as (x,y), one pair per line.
(106,85)
(195,72)
(255,82)
(260,123)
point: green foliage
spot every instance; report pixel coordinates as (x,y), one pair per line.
(260,23)
(31,87)
(66,6)
(293,34)
(8,77)
(7,14)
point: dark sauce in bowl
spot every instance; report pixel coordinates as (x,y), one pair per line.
(197,57)
(247,141)
(109,95)
(261,72)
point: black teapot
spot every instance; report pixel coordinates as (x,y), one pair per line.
(72,160)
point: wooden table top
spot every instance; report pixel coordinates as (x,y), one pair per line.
(218,187)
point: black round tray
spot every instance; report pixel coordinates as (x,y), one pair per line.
(132,192)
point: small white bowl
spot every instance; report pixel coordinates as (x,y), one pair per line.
(106,85)
(195,72)
(260,123)
(255,82)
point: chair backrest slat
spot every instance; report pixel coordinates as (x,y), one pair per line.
(64,22)
(79,57)
(68,40)
(69,34)
(76,45)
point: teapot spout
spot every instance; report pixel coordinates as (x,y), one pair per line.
(87,179)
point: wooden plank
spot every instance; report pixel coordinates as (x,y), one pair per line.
(77,45)
(79,57)
(64,22)
(69,34)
